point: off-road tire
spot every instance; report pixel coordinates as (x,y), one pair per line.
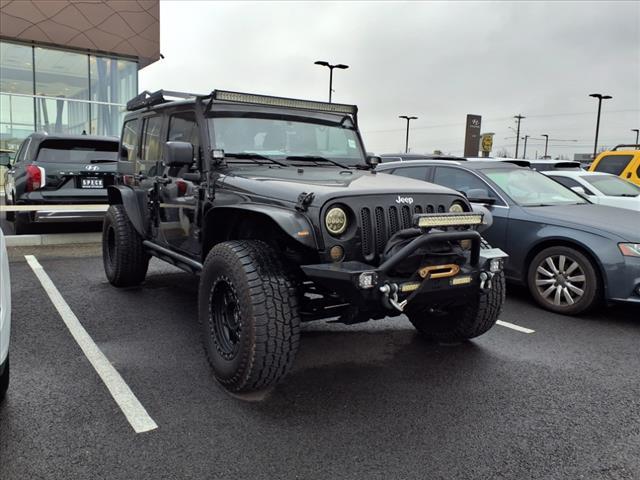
(591,285)
(255,293)
(4,380)
(21,223)
(10,215)
(467,321)
(125,261)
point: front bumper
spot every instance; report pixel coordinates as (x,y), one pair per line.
(371,289)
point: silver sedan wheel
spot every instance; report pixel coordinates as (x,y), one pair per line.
(560,280)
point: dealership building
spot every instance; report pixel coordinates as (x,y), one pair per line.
(71,66)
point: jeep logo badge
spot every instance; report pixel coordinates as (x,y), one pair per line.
(407,200)
(92,168)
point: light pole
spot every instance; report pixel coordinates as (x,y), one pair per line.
(524,153)
(546,143)
(408,119)
(518,117)
(331,67)
(637,134)
(600,97)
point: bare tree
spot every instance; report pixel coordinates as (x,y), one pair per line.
(503,153)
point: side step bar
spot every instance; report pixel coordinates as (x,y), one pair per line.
(180,261)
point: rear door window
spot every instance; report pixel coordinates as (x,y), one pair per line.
(419,173)
(614,164)
(570,183)
(129,140)
(463,181)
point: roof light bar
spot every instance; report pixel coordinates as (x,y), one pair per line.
(447,220)
(254,99)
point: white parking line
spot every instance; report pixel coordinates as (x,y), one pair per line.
(513,326)
(120,391)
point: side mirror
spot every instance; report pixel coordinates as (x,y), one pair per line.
(373,160)
(579,191)
(487,219)
(479,195)
(178,154)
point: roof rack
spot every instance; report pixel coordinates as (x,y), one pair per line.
(635,146)
(149,99)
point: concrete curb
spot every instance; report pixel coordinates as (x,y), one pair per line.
(52,239)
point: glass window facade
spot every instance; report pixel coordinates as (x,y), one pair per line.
(59,91)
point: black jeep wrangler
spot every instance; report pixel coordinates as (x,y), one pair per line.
(274,203)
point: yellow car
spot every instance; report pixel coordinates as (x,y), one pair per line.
(623,160)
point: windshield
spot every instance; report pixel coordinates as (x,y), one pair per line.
(75,151)
(613,186)
(529,188)
(279,139)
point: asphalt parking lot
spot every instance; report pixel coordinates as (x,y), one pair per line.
(368,401)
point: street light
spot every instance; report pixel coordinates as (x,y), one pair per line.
(341,66)
(546,143)
(600,97)
(637,134)
(408,119)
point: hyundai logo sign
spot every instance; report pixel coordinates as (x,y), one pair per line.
(92,168)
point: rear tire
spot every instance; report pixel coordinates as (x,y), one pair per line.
(248,311)
(464,322)
(21,223)
(563,280)
(125,261)
(4,380)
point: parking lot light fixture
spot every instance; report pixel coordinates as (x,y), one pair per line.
(408,119)
(546,143)
(600,97)
(341,66)
(637,130)
(518,118)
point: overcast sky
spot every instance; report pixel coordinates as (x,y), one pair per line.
(435,60)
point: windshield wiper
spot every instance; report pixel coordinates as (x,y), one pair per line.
(316,158)
(631,195)
(254,156)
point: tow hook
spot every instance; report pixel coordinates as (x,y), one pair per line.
(485,280)
(390,297)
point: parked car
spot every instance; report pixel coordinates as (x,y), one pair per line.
(5,316)
(622,160)
(60,170)
(569,252)
(408,157)
(600,188)
(541,165)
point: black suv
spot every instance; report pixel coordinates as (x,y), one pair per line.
(273,202)
(58,178)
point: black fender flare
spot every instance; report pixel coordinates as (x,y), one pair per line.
(134,202)
(293,223)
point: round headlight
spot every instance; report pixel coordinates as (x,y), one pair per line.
(456,208)
(336,221)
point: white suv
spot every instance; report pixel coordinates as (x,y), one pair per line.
(5,316)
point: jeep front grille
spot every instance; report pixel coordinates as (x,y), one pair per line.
(378,224)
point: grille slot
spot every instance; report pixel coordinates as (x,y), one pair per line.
(417,209)
(367,234)
(406,216)
(394,223)
(381,230)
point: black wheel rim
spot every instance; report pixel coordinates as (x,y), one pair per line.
(111,244)
(560,280)
(224,318)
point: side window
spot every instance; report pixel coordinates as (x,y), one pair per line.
(184,128)
(151,150)
(461,181)
(614,164)
(419,173)
(22,151)
(129,140)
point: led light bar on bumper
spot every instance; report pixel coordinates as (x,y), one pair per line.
(254,99)
(436,220)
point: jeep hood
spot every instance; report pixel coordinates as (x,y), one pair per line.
(287,183)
